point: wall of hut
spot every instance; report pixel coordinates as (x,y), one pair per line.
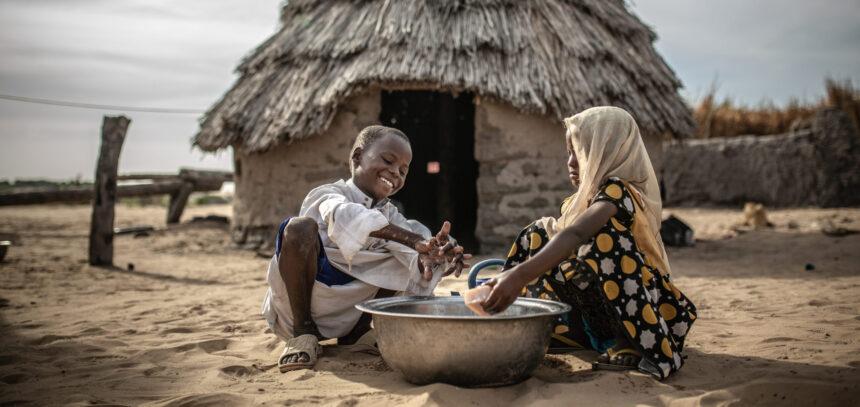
(817,164)
(523,169)
(272,185)
(522,166)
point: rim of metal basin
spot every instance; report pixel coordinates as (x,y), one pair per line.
(537,307)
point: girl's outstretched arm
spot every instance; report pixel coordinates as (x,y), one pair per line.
(507,287)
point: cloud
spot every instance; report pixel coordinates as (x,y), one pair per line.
(140,53)
(166,53)
(767,49)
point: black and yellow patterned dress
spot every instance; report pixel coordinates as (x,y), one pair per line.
(612,291)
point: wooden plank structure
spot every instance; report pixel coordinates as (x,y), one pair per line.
(105,191)
(178,186)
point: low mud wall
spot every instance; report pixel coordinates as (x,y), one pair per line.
(817,164)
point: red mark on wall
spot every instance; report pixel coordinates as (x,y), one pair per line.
(433,167)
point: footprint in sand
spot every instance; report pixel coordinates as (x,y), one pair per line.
(307,374)
(154,370)
(779,339)
(50,339)
(9,359)
(210,346)
(201,400)
(93,331)
(197,309)
(238,371)
(15,378)
(214,345)
(178,330)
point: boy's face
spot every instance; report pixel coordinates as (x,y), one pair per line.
(381,168)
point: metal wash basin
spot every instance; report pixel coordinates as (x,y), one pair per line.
(438,339)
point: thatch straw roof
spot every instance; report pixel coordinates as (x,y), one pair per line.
(554,57)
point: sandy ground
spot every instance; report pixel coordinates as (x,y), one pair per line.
(184,328)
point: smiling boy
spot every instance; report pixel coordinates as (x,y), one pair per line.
(350,244)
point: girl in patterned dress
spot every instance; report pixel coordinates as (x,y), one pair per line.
(604,255)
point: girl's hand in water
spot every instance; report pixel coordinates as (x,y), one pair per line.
(506,289)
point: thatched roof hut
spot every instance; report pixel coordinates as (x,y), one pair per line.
(540,59)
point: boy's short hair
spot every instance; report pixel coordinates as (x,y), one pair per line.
(368,135)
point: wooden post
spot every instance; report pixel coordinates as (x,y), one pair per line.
(101,225)
(178,199)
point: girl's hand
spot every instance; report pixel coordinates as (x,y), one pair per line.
(506,289)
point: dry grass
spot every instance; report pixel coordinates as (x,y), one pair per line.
(726,119)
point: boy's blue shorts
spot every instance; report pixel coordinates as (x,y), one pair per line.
(326,272)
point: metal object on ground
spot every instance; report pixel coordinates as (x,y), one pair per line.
(438,339)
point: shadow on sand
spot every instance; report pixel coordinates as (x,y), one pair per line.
(705,379)
(770,254)
(158,276)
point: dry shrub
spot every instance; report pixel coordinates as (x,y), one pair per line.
(726,119)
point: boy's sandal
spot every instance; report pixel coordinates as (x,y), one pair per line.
(365,344)
(611,353)
(303,344)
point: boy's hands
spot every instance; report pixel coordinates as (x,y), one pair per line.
(454,253)
(439,249)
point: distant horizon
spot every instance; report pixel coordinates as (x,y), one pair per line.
(183,56)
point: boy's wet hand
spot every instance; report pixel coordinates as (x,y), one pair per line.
(444,232)
(428,262)
(426,246)
(457,263)
(444,239)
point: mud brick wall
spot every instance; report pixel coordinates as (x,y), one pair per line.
(817,164)
(523,172)
(272,185)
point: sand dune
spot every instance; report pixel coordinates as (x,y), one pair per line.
(183,328)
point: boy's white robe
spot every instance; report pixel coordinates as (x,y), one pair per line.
(346,217)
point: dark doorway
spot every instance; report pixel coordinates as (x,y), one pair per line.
(442,179)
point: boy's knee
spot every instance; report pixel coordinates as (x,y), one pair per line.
(301,229)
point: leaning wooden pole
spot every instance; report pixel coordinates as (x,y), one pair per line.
(101,225)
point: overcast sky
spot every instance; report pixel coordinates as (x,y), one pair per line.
(181,54)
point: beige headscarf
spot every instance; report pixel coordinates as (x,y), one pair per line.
(607,143)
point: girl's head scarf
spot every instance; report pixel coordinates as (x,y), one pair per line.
(607,144)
